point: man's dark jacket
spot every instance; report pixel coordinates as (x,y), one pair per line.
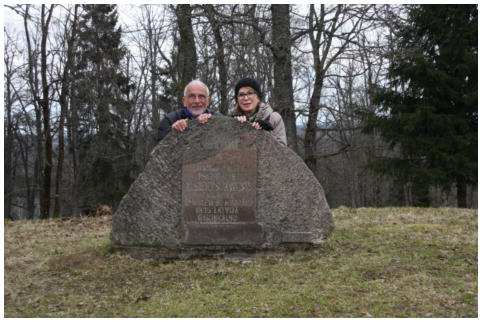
(169,119)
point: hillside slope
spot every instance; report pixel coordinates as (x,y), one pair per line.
(386,262)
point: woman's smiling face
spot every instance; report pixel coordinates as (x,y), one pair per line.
(248,100)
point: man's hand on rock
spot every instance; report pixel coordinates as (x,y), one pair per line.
(180,125)
(203,118)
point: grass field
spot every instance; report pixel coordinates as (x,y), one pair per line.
(384,262)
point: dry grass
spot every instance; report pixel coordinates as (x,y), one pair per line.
(387,262)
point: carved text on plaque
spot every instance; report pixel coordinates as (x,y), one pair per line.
(219,199)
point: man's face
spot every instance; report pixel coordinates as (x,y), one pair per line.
(196,99)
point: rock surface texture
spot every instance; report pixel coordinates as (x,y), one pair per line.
(221,185)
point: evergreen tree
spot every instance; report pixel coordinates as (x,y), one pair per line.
(101,102)
(430,109)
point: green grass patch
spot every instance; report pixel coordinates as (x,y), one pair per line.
(384,262)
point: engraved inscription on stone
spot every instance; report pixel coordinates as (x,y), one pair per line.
(219,199)
(221,189)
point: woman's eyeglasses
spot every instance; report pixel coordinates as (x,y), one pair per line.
(248,94)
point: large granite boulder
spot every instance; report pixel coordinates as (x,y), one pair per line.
(220,185)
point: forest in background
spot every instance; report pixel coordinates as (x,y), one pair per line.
(380,101)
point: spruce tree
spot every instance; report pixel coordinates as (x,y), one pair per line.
(429,109)
(101,102)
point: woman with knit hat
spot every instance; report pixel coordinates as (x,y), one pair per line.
(249,108)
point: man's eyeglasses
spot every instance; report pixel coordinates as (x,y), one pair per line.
(200,97)
(248,94)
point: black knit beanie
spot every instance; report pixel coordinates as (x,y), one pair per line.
(247,82)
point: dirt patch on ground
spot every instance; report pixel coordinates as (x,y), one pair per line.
(72,262)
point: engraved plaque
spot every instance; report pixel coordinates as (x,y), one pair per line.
(219,199)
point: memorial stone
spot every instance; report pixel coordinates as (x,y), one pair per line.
(216,188)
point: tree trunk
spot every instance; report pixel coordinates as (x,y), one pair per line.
(32,209)
(283,80)
(9,165)
(222,68)
(33,85)
(72,136)
(310,134)
(407,191)
(187,60)
(311,126)
(44,103)
(63,112)
(30,188)
(461,193)
(156,117)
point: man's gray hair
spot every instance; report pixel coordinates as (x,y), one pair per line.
(196,82)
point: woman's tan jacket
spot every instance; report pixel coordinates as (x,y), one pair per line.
(266,113)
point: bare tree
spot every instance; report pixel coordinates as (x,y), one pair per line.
(33,83)
(216,26)
(9,99)
(63,101)
(186,56)
(331,31)
(40,93)
(283,80)
(342,150)
(21,186)
(153,64)
(44,102)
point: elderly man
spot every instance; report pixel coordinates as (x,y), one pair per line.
(196,100)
